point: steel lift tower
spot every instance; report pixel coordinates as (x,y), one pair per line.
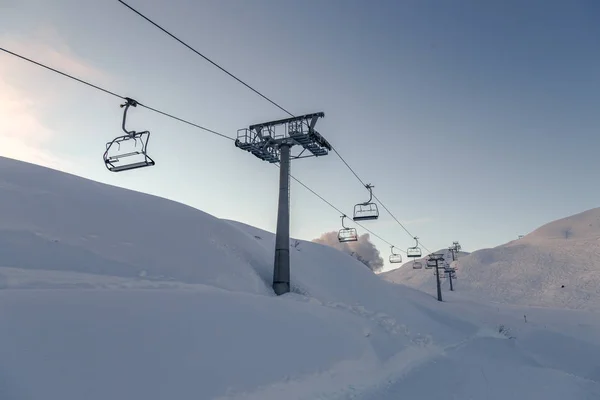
(264,142)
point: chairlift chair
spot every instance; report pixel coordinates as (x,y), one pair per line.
(347,234)
(414,252)
(131,156)
(395,258)
(367,210)
(417,264)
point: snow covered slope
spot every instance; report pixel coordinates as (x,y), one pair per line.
(532,270)
(422,279)
(112,294)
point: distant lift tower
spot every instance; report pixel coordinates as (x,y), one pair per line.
(264,142)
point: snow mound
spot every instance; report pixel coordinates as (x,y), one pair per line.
(557,265)
(108,293)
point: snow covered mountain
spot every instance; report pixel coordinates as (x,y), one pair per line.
(106,293)
(557,265)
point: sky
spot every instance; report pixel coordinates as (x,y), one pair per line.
(476,121)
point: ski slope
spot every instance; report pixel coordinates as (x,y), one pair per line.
(557,265)
(107,293)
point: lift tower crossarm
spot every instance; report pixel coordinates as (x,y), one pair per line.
(288,120)
(266,143)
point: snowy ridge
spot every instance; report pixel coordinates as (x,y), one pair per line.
(423,279)
(532,270)
(107,293)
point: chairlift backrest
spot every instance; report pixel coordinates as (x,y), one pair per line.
(395,258)
(347,235)
(413,252)
(363,212)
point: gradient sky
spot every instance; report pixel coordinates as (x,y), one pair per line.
(475,120)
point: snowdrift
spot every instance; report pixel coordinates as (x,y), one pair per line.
(110,293)
(557,265)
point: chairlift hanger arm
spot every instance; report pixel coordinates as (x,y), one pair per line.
(128,103)
(370,189)
(343,226)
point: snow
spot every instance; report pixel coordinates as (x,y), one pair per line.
(531,270)
(110,293)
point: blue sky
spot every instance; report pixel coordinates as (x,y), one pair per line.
(476,121)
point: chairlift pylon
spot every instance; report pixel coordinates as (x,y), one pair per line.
(414,252)
(347,234)
(395,258)
(367,210)
(135,157)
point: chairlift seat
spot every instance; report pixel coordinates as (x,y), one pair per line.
(417,264)
(126,167)
(347,235)
(413,252)
(133,155)
(395,258)
(364,212)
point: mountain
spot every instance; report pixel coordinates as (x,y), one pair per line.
(557,265)
(108,293)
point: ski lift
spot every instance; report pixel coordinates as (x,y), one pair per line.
(414,252)
(347,234)
(417,264)
(395,258)
(367,210)
(430,263)
(131,156)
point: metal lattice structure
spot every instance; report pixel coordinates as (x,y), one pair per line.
(264,140)
(273,142)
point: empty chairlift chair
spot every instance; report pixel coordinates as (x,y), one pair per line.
(414,252)
(347,234)
(128,151)
(367,210)
(417,264)
(395,258)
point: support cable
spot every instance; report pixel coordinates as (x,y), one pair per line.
(264,97)
(178,119)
